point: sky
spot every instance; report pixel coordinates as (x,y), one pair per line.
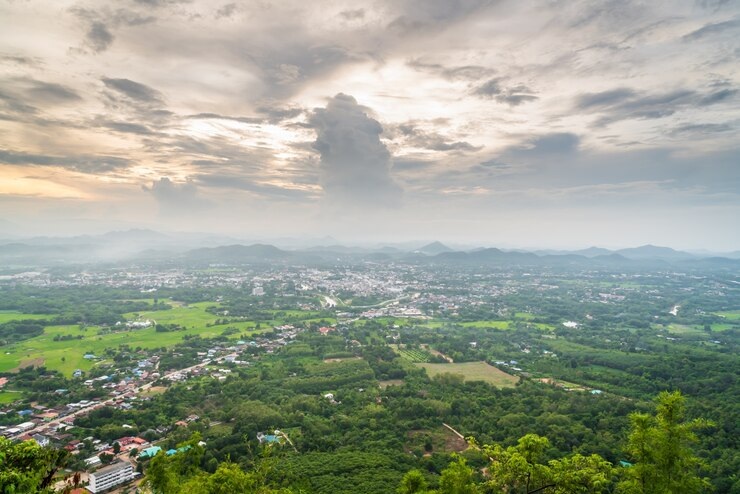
(512,123)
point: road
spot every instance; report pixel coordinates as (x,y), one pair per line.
(83,411)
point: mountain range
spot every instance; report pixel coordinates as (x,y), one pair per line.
(148,245)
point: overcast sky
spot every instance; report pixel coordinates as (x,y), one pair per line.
(509,123)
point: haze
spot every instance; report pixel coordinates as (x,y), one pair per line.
(512,123)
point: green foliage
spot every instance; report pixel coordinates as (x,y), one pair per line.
(660,445)
(412,483)
(26,467)
(182,473)
(457,478)
(521,469)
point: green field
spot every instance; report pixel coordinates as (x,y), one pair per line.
(13,315)
(487,324)
(473,371)
(732,315)
(9,396)
(412,355)
(66,356)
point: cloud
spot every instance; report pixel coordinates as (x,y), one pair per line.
(98,37)
(464,72)
(134,90)
(510,95)
(718,96)
(128,128)
(355,164)
(415,137)
(227,11)
(604,98)
(701,129)
(50,92)
(176,199)
(352,15)
(85,164)
(549,144)
(712,29)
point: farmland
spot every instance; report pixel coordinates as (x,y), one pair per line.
(414,355)
(473,371)
(66,355)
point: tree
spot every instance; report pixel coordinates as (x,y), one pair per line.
(116,447)
(27,467)
(412,483)
(520,469)
(457,478)
(660,445)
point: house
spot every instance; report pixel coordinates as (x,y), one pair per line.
(42,441)
(267,438)
(111,476)
(149,452)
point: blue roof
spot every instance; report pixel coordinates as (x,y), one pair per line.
(149,452)
(271,438)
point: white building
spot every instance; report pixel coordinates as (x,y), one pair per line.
(110,476)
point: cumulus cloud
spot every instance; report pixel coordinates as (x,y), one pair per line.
(355,164)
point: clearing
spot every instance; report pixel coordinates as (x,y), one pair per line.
(473,371)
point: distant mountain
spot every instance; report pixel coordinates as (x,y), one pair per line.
(237,253)
(654,252)
(434,248)
(592,252)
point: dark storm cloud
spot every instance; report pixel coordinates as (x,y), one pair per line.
(84,164)
(355,164)
(511,95)
(99,38)
(134,90)
(713,29)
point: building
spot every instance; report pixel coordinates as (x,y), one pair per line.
(111,476)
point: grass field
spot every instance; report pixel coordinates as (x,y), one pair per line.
(683,329)
(732,315)
(66,356)
(487,324)
(9,396)
(12,315)
(473,371)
